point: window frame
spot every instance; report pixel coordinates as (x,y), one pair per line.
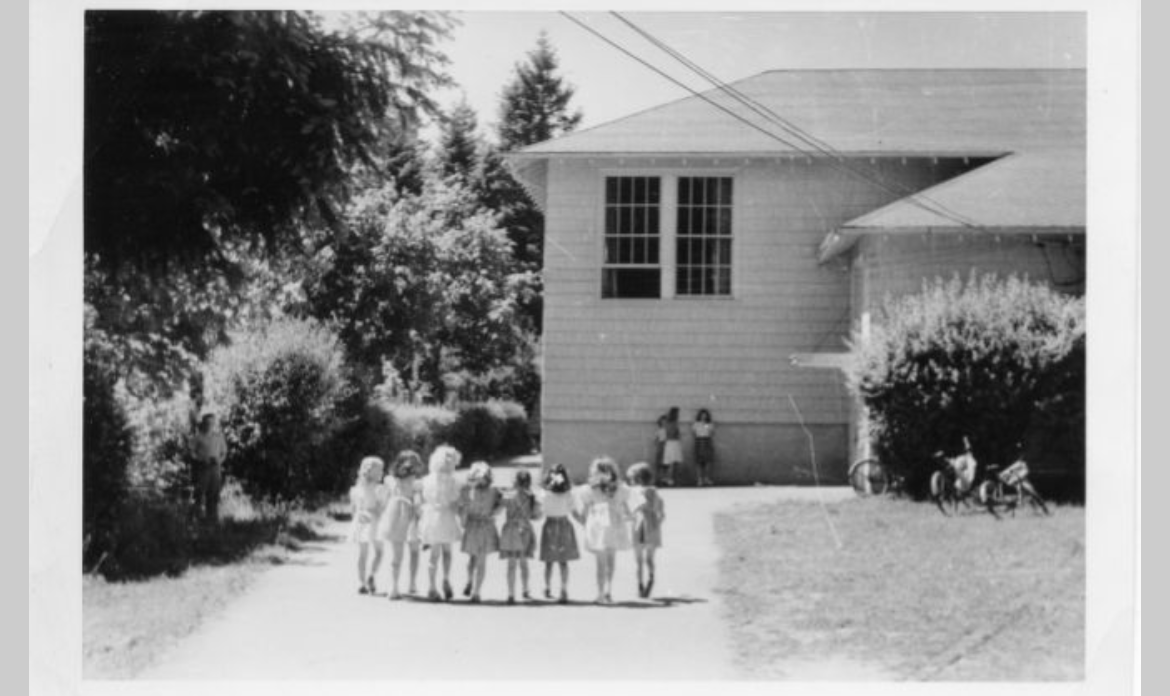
(667,266)
(706,237)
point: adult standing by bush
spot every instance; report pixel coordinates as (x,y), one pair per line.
(208,450)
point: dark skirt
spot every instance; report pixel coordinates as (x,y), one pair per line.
(480,536)
(517,540)
(558,541)
(704,450)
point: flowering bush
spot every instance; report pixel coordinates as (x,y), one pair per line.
(998,361)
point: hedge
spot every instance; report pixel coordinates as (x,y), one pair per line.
(484,430)
(1001,362)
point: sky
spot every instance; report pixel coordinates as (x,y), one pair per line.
(486,46)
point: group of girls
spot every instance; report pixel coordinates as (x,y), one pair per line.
(432,513)
(668,446)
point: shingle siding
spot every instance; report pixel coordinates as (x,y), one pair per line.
(627,361)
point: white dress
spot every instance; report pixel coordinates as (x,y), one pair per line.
(367,500)
(439,523)
(607,520)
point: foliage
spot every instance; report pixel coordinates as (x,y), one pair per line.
(534,106)
(1000,362)
(459,144)
(202,127)
(423,285)
(107,445)
(162,428)
(280,391)
(479,430)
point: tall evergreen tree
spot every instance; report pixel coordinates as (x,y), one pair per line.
(535,104)
(459,144)
(534,107)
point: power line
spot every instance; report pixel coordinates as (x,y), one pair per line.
(831,159)
(796,131)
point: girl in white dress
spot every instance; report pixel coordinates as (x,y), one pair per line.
(439,526)
(400,520)
(366,500)
(606,513)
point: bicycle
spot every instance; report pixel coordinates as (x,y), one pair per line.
(868,477)
(954,480)
(1008,488)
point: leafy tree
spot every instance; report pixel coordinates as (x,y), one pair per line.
(202,127)
(423,284)
(459,145)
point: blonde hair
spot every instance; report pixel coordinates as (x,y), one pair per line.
(444,460)
(603,475)
(369,464)
(480,475)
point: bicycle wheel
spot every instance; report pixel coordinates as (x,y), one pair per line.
(940,491)
(869,477)
(1035,500)
(990,496)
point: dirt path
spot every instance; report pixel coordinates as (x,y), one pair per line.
(306,620)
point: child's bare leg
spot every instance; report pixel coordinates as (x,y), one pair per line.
(524,576)
(446,562)
(610,566)
(601,576)
(433,566)
(413,566)
(639,550)
(511,578)
(470,576)
(379,551)
(564,577)
(396,548)
(480,572)
(363,553)
(548,566)
(650,567)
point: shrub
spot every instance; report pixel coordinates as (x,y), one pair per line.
(420,428)
(1001,362)
(484,430)
(107,445)
(280,391)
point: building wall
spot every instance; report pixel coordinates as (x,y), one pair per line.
(612,366)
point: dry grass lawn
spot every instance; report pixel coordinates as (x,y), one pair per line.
(909,594)
(127,625)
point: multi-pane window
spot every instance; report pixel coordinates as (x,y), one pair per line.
(703,236)
(631,266)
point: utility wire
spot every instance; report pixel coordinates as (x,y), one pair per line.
(794,130)
(732,113)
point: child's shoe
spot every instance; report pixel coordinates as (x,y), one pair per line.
(474,599)
(649,585)
(363,590)
(467,589)
(547,593)
(564,597)
(511,599)
(527,597)
(448,593)
(370,584)
(433,595)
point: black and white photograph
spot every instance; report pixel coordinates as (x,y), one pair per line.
(586,345)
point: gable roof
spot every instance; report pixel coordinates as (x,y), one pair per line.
(977,112)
